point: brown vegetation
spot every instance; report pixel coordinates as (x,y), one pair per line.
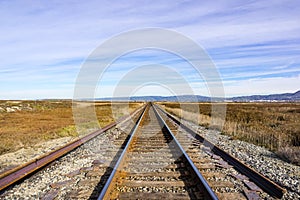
(31,122)
(275,126)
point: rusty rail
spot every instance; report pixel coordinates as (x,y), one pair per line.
(12,176)
(263,182)
(207,190)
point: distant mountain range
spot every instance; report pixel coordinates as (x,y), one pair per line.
(272,97)
(286,97)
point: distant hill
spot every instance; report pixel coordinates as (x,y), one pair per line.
(182,98)
(272,97)
(289,97)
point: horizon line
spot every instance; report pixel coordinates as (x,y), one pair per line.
(40,99)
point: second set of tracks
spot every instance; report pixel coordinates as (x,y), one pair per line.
(159,158)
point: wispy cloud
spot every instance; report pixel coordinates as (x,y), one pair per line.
(43,44)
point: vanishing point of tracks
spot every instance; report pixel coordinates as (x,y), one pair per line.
(155,157)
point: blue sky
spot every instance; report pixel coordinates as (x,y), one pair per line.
(255,45)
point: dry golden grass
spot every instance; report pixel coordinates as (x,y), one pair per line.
(44,120)
(275,126)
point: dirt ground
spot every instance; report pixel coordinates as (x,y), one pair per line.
(29,129)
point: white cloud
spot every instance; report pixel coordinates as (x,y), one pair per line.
(48,40)
(262,86)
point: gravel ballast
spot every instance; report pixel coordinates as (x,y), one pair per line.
(259,158)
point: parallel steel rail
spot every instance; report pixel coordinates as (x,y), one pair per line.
(263,182)
(12,176)
(208,192)
(111,178)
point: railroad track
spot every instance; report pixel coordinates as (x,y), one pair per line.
(76,167)
(153,158)
(220,168)
(153,165)
(161,145)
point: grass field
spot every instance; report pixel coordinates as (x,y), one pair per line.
(275,126)
(25,123)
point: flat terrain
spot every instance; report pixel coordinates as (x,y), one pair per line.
(275,126)
(23,124)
